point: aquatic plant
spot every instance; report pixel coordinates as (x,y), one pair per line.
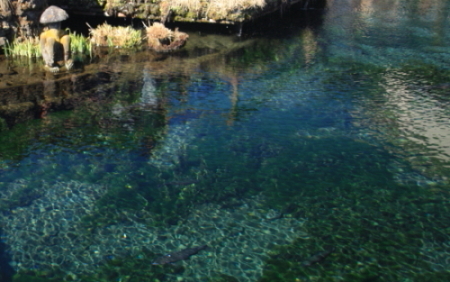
(370,221)
(119,36)
(370,237)
(80,44)
(28,47)
(115,268)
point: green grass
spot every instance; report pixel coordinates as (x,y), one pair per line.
(30,46)
(26,48)
(80,44)
(120,37)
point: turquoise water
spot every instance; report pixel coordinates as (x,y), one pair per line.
(317,152)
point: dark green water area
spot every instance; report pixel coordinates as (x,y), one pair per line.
(316,149)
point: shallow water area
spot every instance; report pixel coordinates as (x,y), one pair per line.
(317,151)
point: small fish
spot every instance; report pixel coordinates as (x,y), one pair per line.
(438,86)
(441,86)
(180,255)
(318,257)
(277,216)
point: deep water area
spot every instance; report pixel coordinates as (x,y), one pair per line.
(315,147)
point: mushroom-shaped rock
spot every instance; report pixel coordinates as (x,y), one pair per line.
(53,15)
(54,42)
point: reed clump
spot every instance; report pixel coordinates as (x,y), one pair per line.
(30,47)
(125,37)
(27,47)
(80,44)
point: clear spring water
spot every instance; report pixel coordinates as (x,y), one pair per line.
(317,152)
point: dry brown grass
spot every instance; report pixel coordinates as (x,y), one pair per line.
(159,31)
(192,5)
(231,5)
(218,5)
(106,35)
(162,39)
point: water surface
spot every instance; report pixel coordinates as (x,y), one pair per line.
(318,151)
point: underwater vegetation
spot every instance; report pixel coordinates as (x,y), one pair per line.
(114,269)
(80,44)
(344,189)
(370,235)
(370,222)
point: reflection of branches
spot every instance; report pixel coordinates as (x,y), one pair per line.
(44,105)
(233,99)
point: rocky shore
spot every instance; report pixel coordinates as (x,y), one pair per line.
(20,18)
